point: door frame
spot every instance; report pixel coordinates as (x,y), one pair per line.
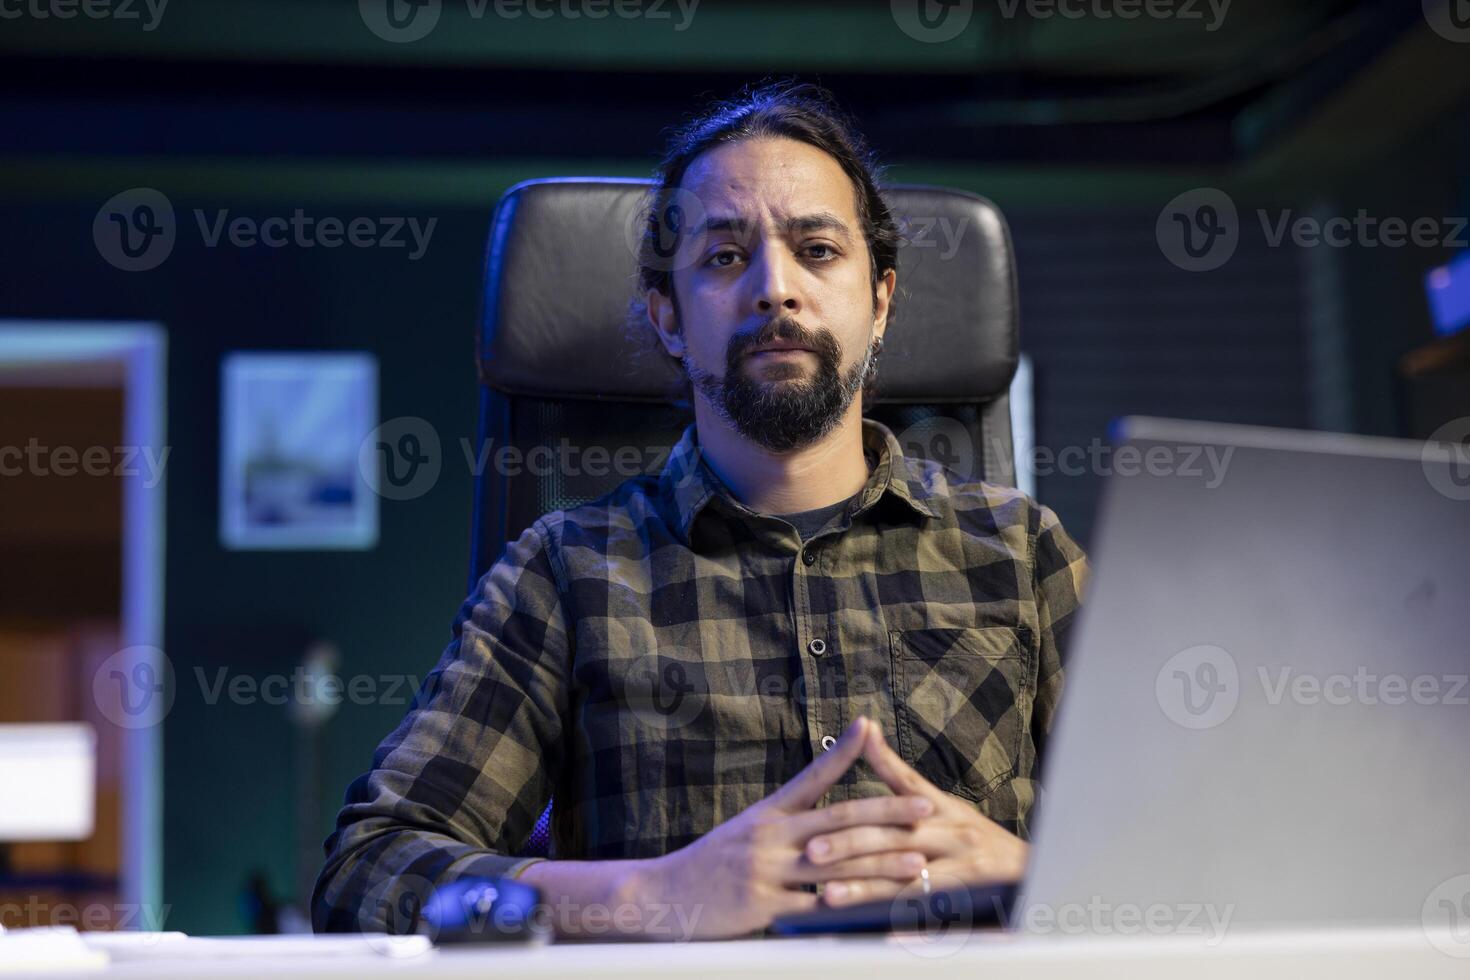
(85,353)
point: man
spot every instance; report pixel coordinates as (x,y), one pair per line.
(674,662)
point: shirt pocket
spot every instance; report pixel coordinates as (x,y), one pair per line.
(961,701)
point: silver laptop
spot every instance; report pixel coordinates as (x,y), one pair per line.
(1266,718)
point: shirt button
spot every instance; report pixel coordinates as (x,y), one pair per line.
(817,646)
(827,742)
(809,557)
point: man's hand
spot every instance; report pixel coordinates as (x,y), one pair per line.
(750,869)
(962,845)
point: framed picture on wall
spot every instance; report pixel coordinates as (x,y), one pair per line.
(292,426)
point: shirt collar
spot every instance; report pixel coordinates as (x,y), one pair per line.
(690,484)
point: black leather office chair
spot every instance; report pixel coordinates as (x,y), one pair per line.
(556,362)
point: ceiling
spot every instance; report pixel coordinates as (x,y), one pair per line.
(1218,84)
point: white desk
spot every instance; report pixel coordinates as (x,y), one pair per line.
(1371,955)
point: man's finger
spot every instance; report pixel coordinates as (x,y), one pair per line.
(898,775)
(857,890)
(871,810)
(855,841)
(900,866)
(790,901)
(803,790)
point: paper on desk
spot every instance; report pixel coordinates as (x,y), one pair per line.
(47,948)
(172,946)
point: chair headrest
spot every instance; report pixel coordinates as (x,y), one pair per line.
(561,268)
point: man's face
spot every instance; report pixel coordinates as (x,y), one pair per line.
(779,261)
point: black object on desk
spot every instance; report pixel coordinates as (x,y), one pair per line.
(942,910)
(484,910)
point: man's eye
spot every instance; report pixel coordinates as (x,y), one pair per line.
(715,260)
(828,252)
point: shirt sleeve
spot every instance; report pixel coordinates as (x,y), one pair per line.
(458,786)
(1061,571)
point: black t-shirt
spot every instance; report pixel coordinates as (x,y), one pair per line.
(811,522)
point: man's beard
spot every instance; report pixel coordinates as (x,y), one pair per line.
(784,414)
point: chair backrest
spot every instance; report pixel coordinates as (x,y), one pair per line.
(567,393)
(560,374)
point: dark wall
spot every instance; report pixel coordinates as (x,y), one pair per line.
(229,768)
(1385,310)
(1114,329)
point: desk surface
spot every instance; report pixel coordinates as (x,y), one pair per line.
(1341,955)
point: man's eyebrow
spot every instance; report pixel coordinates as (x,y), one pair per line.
(802,224)
(820,221)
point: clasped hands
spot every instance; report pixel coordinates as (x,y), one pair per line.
(752,868)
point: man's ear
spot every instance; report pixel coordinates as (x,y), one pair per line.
(882,298)
(665,322)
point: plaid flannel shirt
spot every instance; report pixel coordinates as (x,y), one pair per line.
(662,658)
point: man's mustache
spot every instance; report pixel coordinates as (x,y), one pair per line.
(781,329)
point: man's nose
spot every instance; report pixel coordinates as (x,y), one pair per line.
(774,282)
